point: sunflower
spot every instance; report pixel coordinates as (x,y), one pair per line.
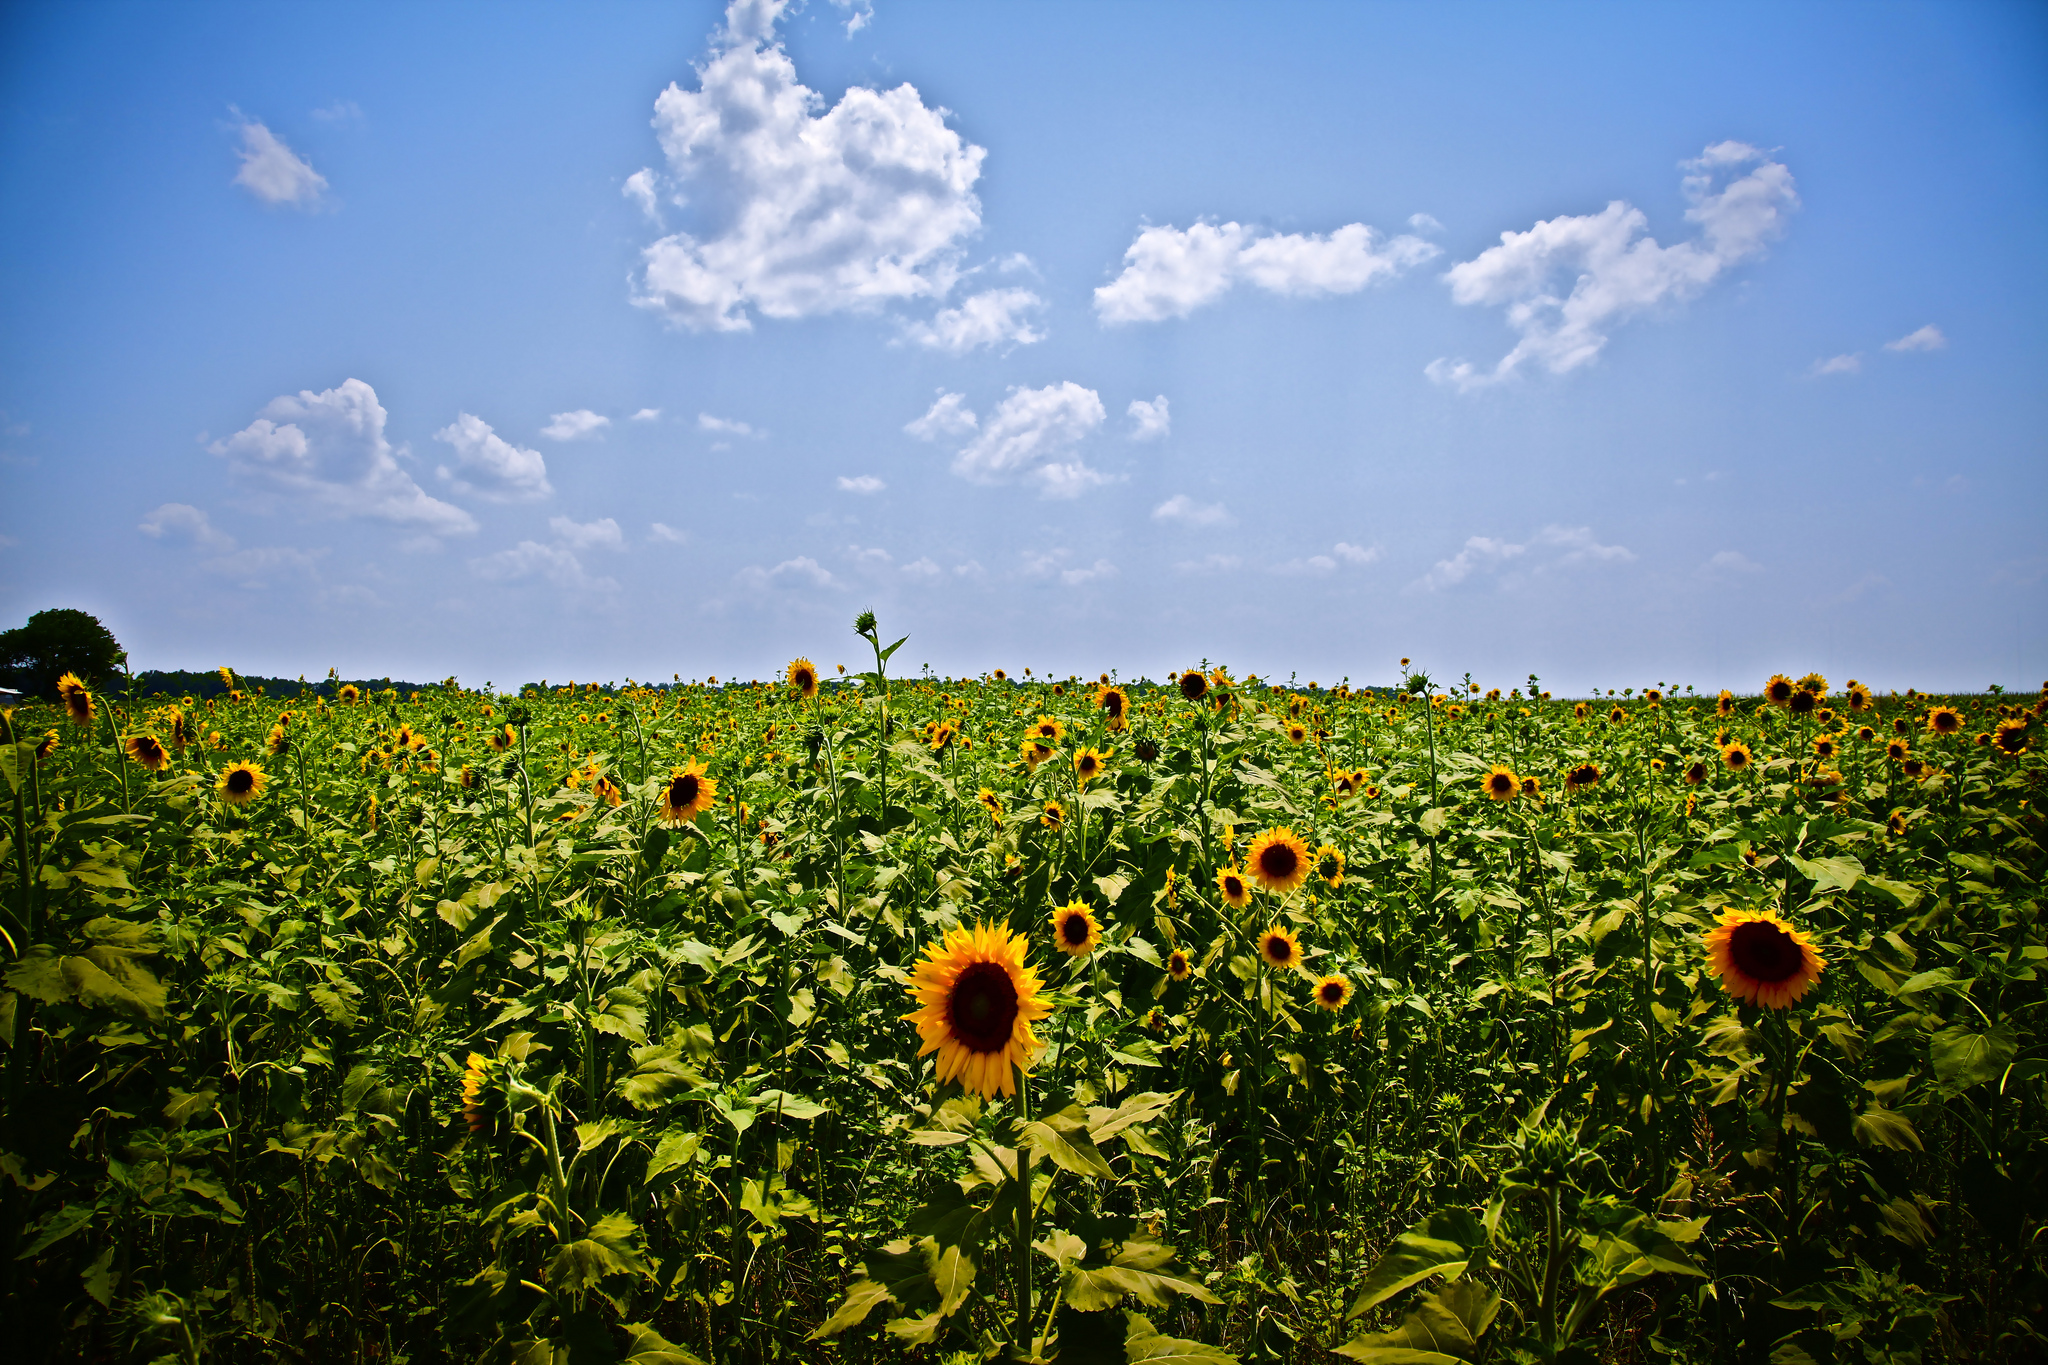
(1035,752)
(2011,737)
(1895,826)
(77,701)
(1762,959)
(1236,890)
(1579,711)
(1617,716)
(1803,703)
(1915,769)
(1279,948)
(1532,787)
(1296,734)
(1053,815)
(1724,705)
(477,1094)
(1333,992)
(1897,751)
(501,740)
(1115,704)
(1859,697)
(942,736)
(1048,729)
(1330,865)
(466,778)
(1824,747)
(49,744)
(607,792)
(1278,860)
(1736,756)
(1865,733)
(803,676)
(241,783)
(349,693)
(1814,685)
(977,1002)
(686,794)
(1944,720)
(987,799)
(1088,766)
(1179,965)
(145,749)
(1501,784)
(1585,775)
(1194,684)
(1345,784)
(1074,929)
(998,675)
(1778,691)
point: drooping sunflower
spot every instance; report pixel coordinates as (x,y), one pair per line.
(1333,992)
(1280,949)
(1194,684)
(1330,865)
(607,792)
(1944,720)
(50,743)
(686,794)
(240,783)
(1237,891)
(1179,965)
(977,1001)
(1581,777)
(1075,931)
(1736,756)
(1762,959)
(1115,704)
(476,1081)
(1532,787)
(147,751)
(987,799)
(77,701)
(278,743)
(1088,765)
(1278,860)
(1501,784)
(942,736)
(467,778)
(803,676)
(1052,815)
(1778,691)
(1695,774)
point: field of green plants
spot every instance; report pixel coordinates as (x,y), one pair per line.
(1429,1023)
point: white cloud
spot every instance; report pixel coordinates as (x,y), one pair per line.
(1358,555)
(328,450)
(603,533)
(275,173)
(860,14)
(1149,421)
(993,317)
(640,187)
(1314,564)
(1050,564)
(1030,435)
(574,426)
(255,566)
(183,519)
(1101,568)
(1612,268)
(1423,222)
(1185,510)
(789,573)
(558,564)
(949,415)
(1928,338)
(489,466)
(666,534)
(970,569)
(1169,272)
(1209,564)
(1580,548)
(1728,563)
(873,557)
(861,483)
(1479,551)
(803,210)
(923,568)
(646,415)
(1575,545)
(341,111)
(1839,364)
(726,426)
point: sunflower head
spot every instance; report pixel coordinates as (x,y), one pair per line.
(1724,705)
(49,744)
(1280,949)
(1088,765)
(1865,733)
(1194,684)
(686,795)
(77,703)
(1049,729)
(942,736)
(1330,866)
(1115,704)
(481,1100)
(1278,860)
(987,799)
(1579,711)
(1859,697)
(1762,959)
(1296,733)
(1813,684)
(1736,756)
(1179,965)
(1802,703)
(1532,787)
(1778,691)
(1695,774)
(1075,931)
(1501,784)
(607,792)
(1146,750)
(2010,737)
(1824,747)
(1036,751)
(1237,891)
(1052,815)
(349,692)
(803,678)
(1333,992)
(977,1001)
(1897,751)
(1583,776)
(1944,720)
(241,783)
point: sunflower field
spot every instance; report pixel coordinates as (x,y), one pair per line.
(860,1017)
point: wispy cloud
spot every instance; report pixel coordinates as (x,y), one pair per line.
(1840,364)
(575,426)
(861,483)
(1184,510)
(272,171)
(1928,338)
(1149,421)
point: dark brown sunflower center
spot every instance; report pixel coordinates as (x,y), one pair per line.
(1946,722)
(1074,929)
(1763,952)
(1331,992)
(1233,886)
(239,782)
(1279,949)
(1087,766)
(982,1008)
(1502,784)
(1279,862)
(1193,685)
(682,792)
(1177,964)
(1114,704)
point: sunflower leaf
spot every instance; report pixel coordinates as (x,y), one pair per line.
(1440,1244)
(1070,1149)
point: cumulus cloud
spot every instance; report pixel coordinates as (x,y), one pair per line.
(861,483)
(574,426)
(1928,338)
(1357,555)
(922,568)
(184,520)
(1186,511)
(1479,552)
(1149,421)
(1579,547)
(489,466)
(558,564)
(1053,564)
(327,450)
(1839,364)
(643,188)
(994,317)
(1568,281)
(666,534)
(646,415)
(1169,272)
(1341,554)
(1729,564)
(273,172)
(727,426)
(1569,546)
(603,533)
(860,13)
(801,210)
(790,573)
(1029,437)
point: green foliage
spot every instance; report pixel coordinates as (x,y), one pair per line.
(55,642)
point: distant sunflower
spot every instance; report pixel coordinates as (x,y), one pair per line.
(349,692)
(1762,959)
(147,751)
(1501,784)
(1578,711)
(1053,815)
(977,1001)
(1532,787)
(241,783)
(1944,720)
(1035,752)
(1802,703)
(277,742)
(1617,716)
(686,794)
(1088,766)
(1330,865)
(1280,949)
(1724,705)
(1814,685)
(1859,697)
(1236,890)
(987,799)
(49,744)
(1333,992)
(1115,704)
(1296,734)
(1778,691)
(1000,676)
(1865,733)
(467,778)
(1915,769)
(1179,965)
(1194,684)
(2010,738)
(607,792)
(1075,931)
(1581,777)
(501,740)
(1278,860)
(942,736)
(803,676)
(1736,756)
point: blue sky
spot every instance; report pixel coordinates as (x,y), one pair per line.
(1624,344)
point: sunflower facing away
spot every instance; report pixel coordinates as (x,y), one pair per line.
(77,701)
(240,783)
(1036,751)
(1762,959)
(1236,890)
(1278,860)
(1502,784)
(1116,706)
(803,676)
(1074,930)
(1333,992)
(1280,948)
(2011,737)
(977,1002)
(145,749)
(1179,965)
(686,794)
(987,799)
(476,1081)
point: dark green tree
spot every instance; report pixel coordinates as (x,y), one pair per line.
(52,643)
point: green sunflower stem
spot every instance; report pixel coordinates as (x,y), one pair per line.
(1021,1252)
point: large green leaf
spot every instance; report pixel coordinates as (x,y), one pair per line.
(1444,1327)
(1962,1057)
(1440,1244)
(1143,1345)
